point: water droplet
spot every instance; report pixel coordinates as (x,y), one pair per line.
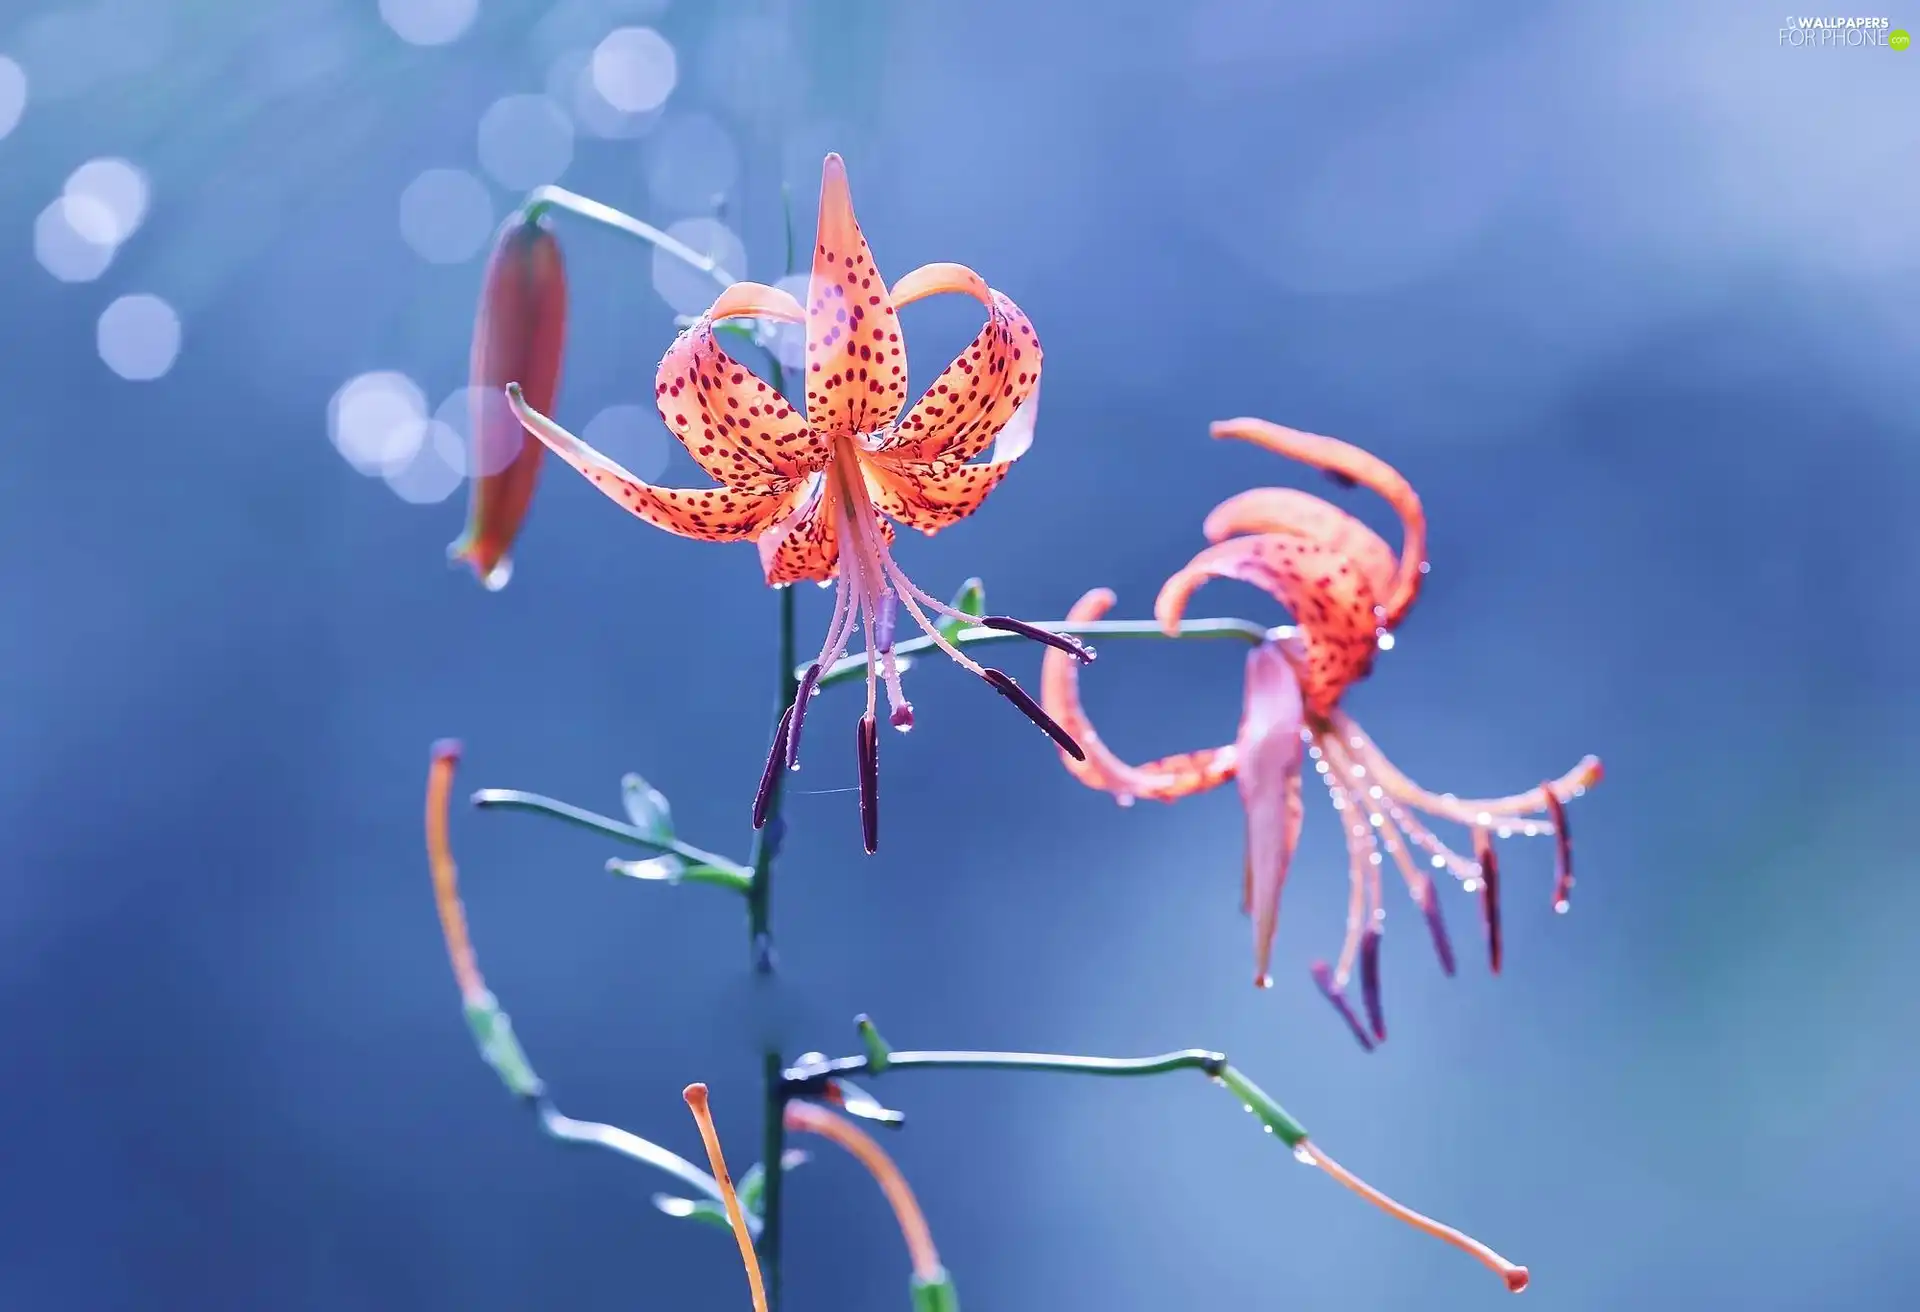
(1438,862)
(499,576)
(1483,819)
(1267,1128)
(1561,906)
(1470,885)
(1123,799)
(1386,642)
(1302,1155)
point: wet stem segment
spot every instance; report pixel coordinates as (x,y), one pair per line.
(766,845)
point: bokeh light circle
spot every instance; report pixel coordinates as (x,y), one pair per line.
(525,141)
(504,431)
(429,22)
(106,200)
(139,337)
(632,436)
(692,164)
(635,69)
(434,471)
(13,95)
(446,215)
(684,287)
(377,421)
(64,249)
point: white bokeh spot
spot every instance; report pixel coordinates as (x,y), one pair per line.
(139,337)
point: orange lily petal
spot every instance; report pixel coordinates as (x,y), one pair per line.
(1351,463)
(979,392)
(1328,595)
(1165,780)
(1268,752)
(756,300)
(930,497)
(856,365)
(718,514)
(736,427)
(1289,510)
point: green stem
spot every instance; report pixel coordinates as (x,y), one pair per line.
(810,1079)
(542,199)
(851,667)
(705,867)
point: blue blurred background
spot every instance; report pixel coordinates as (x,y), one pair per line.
(1630,292)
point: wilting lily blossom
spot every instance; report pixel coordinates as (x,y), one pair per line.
(519,336)
(1347,591)
(819,487)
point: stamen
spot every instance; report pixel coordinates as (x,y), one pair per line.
(799,713)
(1442,945)
(1003,684)
(1562,849)
(869,735)
(1370,982)
(1065,642)
(1323,977)
(806,1117)
(763,800)
(446,875)
(884,622)
(1516,1276)
(1489,893)
(696,1096)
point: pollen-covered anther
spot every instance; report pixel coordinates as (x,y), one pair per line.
(1003,684)
(1323,979)
(869,740)
(1489,894)
(808,682)
(1065,642)
(1562,847)
(763,799)
(1437,926)
(1370,982)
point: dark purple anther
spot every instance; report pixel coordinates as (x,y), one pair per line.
(1324,978)
(1442,945)
(1003,683)
(799,712)
(1489,894)
(1370,982)
(883,622)
(775,758)
(902,717)
(1065,642)
(1562,849)
(870,782)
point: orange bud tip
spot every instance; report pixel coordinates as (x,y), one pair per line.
(1517,1278)
(448,749)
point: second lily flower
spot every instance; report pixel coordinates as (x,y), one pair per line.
(816,490)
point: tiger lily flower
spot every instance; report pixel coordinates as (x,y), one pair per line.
(1347,590)
(819,488)
(519,335)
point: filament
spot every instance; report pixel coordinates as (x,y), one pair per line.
(696,1096)
(805,1116)
(1515,1276)
(446,875)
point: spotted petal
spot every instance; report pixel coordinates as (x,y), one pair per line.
(1354,465)
(708,514)
(1165,780)
(736,427)
(856,363)
(1329,596)
(1289,510)
(930,497)
(979,393)
(1268,752)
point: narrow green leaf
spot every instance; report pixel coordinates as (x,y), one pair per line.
(493,1035)
(647,807)
(694,1209)
(970,600)
(752,1187)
